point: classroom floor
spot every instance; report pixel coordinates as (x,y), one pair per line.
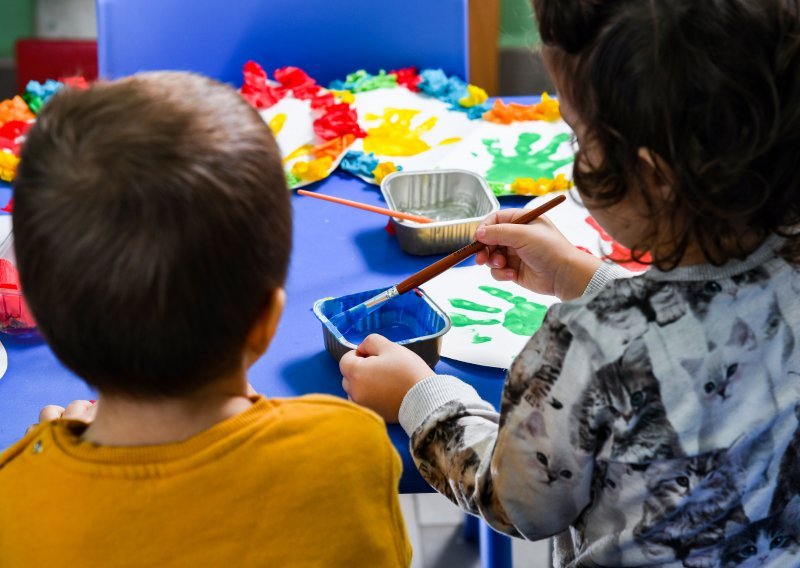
(435,526)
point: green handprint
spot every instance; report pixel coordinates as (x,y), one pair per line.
(524,163)
(524,318)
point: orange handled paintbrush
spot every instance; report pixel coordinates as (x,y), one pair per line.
(365,207)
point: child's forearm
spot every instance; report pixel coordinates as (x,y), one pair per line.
(520,470)
(429,395)
(452,433)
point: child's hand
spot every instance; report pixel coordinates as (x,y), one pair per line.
(379,373)
(83,410)
(536,256)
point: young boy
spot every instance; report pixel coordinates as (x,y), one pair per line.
(153,231)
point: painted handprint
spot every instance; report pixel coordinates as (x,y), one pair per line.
(522,318)
(394,136)
(524,162)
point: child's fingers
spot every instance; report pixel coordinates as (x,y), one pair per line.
(77,410)
(490,220)
(347,365)
(50,412)
(505,235)
(504,274)
(346,385)
(498,259)
(351,366)
(483,256)
(374,344)
(502,216)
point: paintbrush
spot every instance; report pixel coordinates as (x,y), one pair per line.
(365,207)
(345,320)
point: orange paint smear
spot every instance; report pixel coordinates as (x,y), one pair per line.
(541,186)
(333,148)
(502,113)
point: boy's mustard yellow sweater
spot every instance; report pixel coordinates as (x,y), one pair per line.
(310,481)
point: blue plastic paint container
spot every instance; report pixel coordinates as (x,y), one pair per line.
(412,320)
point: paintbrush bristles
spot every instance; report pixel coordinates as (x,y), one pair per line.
(344,321)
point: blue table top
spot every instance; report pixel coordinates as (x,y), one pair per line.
(337,250)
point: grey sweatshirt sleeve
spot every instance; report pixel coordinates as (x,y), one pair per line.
(607,272)
(518,468)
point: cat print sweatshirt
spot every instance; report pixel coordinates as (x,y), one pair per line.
(652,422)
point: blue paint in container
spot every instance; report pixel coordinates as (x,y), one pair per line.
(396,332)
(411,319)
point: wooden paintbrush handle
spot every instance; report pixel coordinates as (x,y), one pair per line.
(365,207)
(467,251)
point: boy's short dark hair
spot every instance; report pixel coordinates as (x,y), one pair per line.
(713,88)
(151,223)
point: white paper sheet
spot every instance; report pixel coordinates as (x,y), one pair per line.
(3,361)
(500,153)
(489,333)
(297,131)
(7,252)
(372,105)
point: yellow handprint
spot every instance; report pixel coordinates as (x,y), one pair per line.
(394,135)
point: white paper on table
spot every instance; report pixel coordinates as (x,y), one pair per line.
(3,361)
(297,131)
(450,124)
(473,153)
(298,127)
(6,252)
(460,342)
(468,144)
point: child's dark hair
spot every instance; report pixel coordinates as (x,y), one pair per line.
(712,88)
(152,225)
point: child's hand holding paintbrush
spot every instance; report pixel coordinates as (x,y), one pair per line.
(536,256)
(345,320)
(379,373)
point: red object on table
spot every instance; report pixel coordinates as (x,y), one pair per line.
(42,59)
(15,317)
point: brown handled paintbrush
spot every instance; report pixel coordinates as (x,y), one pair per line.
(346,319)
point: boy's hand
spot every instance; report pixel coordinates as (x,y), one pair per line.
(379,373)
(83,410)
(535,256)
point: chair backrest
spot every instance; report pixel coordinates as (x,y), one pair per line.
(327,38)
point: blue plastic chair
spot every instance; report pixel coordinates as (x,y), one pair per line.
(326,38)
